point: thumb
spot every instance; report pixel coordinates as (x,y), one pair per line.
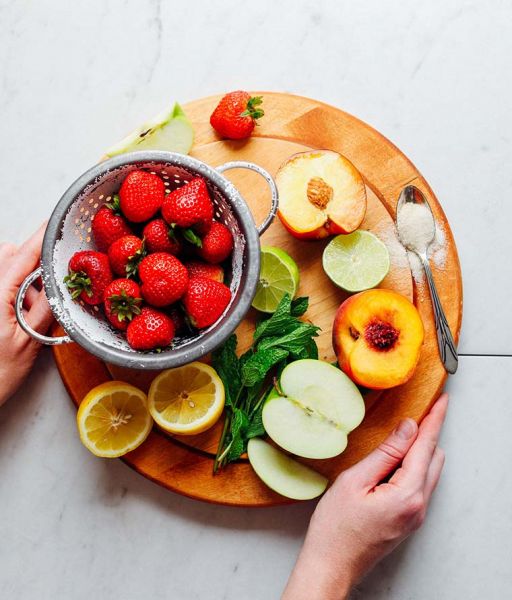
(386,457)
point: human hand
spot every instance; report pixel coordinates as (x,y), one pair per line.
(360,520)
(18,350)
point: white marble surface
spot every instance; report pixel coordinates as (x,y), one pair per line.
(435,78)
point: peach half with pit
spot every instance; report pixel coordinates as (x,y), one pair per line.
(377,338)
(321,193)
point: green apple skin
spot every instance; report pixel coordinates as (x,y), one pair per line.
(282,473)
(170,130)
(317,409)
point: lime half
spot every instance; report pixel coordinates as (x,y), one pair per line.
(357,261)
(278,274)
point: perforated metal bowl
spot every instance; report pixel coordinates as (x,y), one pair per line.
(69,230)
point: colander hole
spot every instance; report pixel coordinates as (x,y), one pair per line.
(96,205)
(86,213)
(88,239)
(82,225)
(82,209)
(91,200)
(89,229)
(101,197)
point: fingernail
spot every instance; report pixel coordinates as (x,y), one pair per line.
(405,429)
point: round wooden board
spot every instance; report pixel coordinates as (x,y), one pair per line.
(293,124)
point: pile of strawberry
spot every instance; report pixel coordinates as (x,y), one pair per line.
(135,273)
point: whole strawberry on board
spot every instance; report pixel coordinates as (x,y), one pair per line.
(205,300)
(89,275)
(141,196)
(125,255)
(196,268)
(164,279)
(150,330)
(188,207)
(217,244)
(108,225)
(236,115)
(159,237)
(122,302)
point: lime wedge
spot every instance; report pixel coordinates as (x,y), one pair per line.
(170,130)
(357,261)
(278,274)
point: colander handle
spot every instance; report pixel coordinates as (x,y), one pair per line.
(242,164)
(18,307)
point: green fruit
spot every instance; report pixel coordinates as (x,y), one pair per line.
(279,274)
(170,130)
(357,261)
(318,408)
(283,474)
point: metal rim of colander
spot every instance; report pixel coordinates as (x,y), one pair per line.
(196,348)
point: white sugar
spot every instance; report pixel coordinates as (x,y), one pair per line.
(416,226)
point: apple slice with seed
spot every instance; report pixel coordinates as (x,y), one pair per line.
(315,410)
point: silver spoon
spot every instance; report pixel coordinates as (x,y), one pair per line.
(447,349)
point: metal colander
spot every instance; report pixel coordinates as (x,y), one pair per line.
(69,230)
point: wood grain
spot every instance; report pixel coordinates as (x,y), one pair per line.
(293,124)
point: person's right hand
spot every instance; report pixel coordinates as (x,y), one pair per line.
(362,517)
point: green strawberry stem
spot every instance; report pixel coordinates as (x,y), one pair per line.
(114,204)
(78,282)
(251,110)
(192,237)
(124,306)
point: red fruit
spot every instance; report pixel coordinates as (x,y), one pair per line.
(108,225)
(178,320)
(164,279)
(149,330)
(159,237)
(125,255)
(122,300)
(141,195)
(217,244)
(205,301)
(189,206)
(89,275)
(197,268)
(236,114)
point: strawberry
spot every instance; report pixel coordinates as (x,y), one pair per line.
(159,237)
(108,225)
(189,206)
(150,330)
(236,114)
(164,279)
(141,195)
(125,255)
(89,275)
(205,301)
(217,244)
(196,268)
(178,319)
(122,300)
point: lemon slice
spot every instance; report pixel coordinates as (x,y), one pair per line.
(113,419)
(186,400)
(357,261)
(279,274)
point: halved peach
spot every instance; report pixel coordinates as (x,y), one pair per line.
(321,193)
(377,337)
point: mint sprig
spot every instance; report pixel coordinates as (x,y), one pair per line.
(248,379)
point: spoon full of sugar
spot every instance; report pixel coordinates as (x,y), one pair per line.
(416,230)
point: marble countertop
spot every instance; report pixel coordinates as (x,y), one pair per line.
(433,77)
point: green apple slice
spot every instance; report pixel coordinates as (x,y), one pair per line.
(318,408)
(170,130)
(282,473)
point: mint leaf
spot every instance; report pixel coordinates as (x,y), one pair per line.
(299,306)
(293,342)
(260,363)
(227,365)
(255,428)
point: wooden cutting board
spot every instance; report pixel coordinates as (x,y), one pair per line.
(293,124)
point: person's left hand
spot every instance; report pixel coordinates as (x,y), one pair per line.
(18,350)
